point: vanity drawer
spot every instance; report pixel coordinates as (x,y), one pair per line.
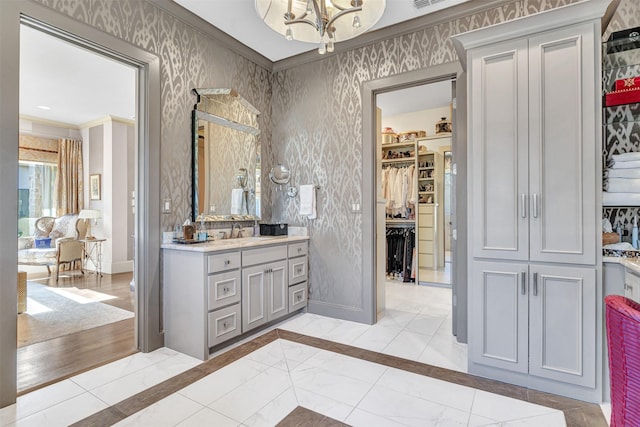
(224,324)
(425,260)
(263,255)
(225,261)
(425,233)
(424,208)
(298,270)
(224,289)
(297,296)
(425,247)
(425,220)
(298,249)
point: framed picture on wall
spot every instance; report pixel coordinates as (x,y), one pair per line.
(94,187)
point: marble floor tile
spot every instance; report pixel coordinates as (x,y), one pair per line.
(323,405)
(377,337)
(39,400)
(351,367)
(274,411)
(168,412)
(330,384)
(396,318)
(504,408)
(208,417)
(360,418)
(64,413)
(431,389)
(216,385)
(549,420)
(270,355)
(121,368)
(244,401)
(410,410)
(408,345)
(445,352)
(297,352)
(121,388)
(425,324)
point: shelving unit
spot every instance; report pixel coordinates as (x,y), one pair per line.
(621,123)
(407,150)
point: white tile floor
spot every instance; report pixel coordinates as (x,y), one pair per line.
(263,387)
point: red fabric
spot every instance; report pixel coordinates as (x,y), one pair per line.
(623,337)
(620,97)
(629,82)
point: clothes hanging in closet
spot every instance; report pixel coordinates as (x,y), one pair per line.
(401,253)
(400,189)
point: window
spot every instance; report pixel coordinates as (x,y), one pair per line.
(36,193)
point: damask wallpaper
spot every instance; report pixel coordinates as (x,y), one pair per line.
(311,116)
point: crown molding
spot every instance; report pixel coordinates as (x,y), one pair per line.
(194,21)
(48,122)
(105,120)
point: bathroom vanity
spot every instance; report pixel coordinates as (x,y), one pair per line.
(220,290)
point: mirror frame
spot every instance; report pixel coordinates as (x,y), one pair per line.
(199,114)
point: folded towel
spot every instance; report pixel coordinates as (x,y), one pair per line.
(308,201)
(623,173)
(626,157)
(237,199)
(623,185)
(626,165)
(620,199)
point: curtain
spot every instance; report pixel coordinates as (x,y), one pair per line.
(69,183)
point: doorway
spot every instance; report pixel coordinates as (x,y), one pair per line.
(81,313)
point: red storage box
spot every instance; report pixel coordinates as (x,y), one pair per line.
(629,82)
(620,97)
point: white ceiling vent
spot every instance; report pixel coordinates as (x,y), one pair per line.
(419,4)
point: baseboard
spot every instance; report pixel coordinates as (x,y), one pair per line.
(114,268)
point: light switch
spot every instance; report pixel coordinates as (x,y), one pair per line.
(166,206)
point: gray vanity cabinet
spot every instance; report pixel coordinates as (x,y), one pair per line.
(264,286)
(298,275)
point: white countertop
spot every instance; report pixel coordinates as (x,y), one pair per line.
(630,263)
(220,245)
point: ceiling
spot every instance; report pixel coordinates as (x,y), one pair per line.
(79,86)
(239,19)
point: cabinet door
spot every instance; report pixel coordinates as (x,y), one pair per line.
(254,303)
(498,324)
(499,160)
(562,145)
(278,290)
(562,328)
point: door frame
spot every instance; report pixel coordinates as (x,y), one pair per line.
(149,335)
(449,71)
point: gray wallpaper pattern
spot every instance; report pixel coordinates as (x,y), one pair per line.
(189,59)
(310,116)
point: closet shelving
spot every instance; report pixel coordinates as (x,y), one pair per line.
(399,154)
(621,123)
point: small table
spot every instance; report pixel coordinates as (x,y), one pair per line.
(93,252)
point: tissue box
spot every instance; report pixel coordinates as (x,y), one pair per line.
(274,229)
(43,242)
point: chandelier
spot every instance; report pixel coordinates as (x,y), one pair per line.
(320,21)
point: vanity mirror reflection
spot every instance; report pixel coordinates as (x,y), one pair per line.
(226,157)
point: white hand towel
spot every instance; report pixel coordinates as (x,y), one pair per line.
(237,196)
(620,199)
(624,173)
(626,157)
(632,164)
(623,185)
(308,201)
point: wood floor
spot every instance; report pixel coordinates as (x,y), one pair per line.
(50,361)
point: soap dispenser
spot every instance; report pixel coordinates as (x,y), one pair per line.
(634,233)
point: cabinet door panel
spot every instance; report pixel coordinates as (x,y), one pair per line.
(254,303)
(499,141)
(498,333)
(563,324)
(278,290)
(562,146)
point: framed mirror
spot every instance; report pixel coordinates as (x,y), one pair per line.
(226,157)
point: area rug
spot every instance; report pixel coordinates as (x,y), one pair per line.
(55,312)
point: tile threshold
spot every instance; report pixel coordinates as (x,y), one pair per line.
(577,413)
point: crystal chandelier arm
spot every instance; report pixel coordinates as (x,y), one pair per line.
(302,21)
(342,13)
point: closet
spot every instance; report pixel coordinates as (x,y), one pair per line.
(534,137)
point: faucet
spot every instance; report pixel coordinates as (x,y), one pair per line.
(233,227)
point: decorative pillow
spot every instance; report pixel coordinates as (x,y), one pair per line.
(45,225)
(64,226)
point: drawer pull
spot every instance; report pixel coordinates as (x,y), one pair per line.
(225,289)
(299,250)
(227,262)
(523,279)
(535,284)
(299,297)
(224,325)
